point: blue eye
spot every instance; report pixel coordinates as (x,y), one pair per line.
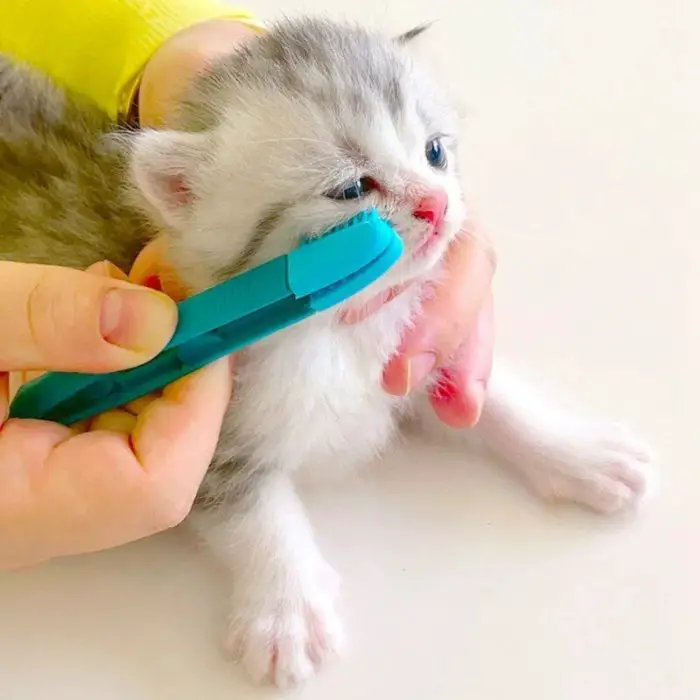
(354,190)
(435,153)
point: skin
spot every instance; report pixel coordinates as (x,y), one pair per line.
(127,474)
(455,331)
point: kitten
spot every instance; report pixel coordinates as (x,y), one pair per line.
(307,125)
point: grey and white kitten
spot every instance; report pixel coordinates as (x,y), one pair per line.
(310,123)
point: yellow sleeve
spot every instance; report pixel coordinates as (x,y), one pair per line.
(98,48)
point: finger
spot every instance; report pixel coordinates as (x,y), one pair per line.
(100,491)
(106,269)
(176,435)
(101,269)
(174,67)
(4,396)
(24,447)
(447,315)
(28,376)
(458,396)
(82,426)
(15,381)
(61,319)
(115,421)
(66,493)
(153,269)
(118,420)
(140,405)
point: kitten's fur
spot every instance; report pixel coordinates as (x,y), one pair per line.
(302,110)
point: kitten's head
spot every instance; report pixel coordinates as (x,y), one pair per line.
(304,127)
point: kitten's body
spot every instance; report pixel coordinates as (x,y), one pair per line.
(302,112)
(61,201)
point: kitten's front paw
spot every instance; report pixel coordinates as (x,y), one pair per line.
(604,468)
(288,637)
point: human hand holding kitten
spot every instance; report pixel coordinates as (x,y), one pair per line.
(124,475)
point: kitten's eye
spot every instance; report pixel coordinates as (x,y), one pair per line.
(435,153)
(355,190)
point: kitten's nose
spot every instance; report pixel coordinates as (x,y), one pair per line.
(432,208)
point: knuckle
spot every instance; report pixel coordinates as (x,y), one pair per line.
(169,512)
(36,313)
(59,313)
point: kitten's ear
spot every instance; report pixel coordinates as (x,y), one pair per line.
(163,164)
(411,34)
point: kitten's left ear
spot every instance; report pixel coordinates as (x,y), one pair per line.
(163,167)
(411,34)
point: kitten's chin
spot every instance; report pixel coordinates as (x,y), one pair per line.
(368,303)
(415,267)
(357,311)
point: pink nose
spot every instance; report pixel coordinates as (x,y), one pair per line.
(432,208)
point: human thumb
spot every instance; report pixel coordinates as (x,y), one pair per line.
(57,319)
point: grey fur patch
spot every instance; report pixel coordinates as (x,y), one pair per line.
(232,482)
(261,231)
(26,97)
(291,57)
(61,197)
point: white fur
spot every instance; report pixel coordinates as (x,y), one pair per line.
(283,623)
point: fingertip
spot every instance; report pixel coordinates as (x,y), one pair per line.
(138,406)
(395,378)
(179,431)
(457,406)
(4,396)
(476,394)
(213,380)
(152,269)
(456,414)
(115,421)
(139,320)
(107,269)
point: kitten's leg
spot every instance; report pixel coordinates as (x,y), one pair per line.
(283,623)
(599,465)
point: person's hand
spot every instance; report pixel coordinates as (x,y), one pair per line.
(453,333)
(132,472)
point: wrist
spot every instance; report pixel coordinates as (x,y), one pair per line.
(179,60)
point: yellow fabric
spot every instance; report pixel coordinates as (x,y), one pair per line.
(100,47)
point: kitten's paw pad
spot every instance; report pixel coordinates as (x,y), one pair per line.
(288,646)
(289,641)
(607,469)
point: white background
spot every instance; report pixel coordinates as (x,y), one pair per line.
(581,150)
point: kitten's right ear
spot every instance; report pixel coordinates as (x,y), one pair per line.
(411,34)
(163,165)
